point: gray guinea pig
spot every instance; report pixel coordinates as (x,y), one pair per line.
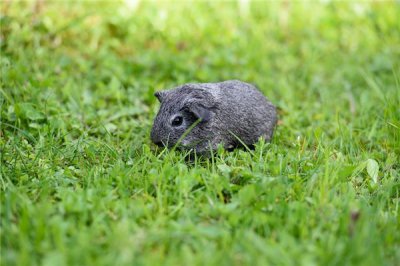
(231,113)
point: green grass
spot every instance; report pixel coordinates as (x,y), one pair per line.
(81,183)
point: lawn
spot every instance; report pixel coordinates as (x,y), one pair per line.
(82,184)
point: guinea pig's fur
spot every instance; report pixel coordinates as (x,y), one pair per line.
(231,113)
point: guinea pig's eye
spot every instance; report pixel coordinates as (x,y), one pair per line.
(177,121)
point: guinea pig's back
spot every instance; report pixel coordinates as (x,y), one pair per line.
(246,111)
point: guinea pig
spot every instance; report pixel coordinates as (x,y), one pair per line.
(200,116)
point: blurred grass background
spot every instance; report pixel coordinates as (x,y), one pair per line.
(82,184)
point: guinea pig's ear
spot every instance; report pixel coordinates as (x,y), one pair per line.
(160,95)
(200,112)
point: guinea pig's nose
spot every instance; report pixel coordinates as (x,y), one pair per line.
(155,139)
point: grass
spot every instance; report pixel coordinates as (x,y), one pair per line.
(81,183)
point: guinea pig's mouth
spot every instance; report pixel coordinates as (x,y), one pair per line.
(164,143)
(181,145)
(159,143)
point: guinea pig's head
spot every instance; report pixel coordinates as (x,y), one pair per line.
(184,118)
